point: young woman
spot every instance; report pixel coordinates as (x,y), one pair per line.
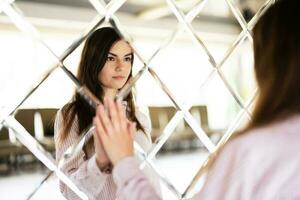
(261,162)
(105,66)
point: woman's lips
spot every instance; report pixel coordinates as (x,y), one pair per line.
(118,77)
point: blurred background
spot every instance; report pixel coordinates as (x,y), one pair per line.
(214,98)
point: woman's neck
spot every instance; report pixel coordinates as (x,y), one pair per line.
(110,93)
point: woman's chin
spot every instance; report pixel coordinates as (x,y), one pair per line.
(118,87)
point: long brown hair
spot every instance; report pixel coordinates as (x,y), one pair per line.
(277,63)
(93,58)
(276,39)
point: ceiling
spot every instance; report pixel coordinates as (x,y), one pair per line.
(154,9)
(215,16)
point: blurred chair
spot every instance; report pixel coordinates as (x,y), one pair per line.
(39,123)
(9,149)
(44,127)
(160,116)
(183,134)
(200,114)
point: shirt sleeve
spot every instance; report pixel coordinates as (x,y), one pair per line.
(131,182)
(83,172)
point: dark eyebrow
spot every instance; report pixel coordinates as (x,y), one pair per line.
(112,54)
(129,54)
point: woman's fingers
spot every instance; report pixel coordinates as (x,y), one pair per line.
(117,123)
(131,129)
(98,125)
(100,135)
(117,144)
(122,115)
(114,115)
(106,122)
(121,109)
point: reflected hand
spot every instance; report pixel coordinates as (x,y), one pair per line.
(101,156)
(115,132)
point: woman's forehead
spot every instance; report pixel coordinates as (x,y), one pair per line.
(121,48)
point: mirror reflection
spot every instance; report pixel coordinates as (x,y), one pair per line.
(57,117)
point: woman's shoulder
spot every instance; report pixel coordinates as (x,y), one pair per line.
(265,154)
(143,137)
(59,122)
(266,145)
(142,116)
(282,132)
(259,157)
(61,113)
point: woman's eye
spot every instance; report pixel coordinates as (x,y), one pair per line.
(109,58)
(128,59)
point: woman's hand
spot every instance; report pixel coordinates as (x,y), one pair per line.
(101,156)
(114,131)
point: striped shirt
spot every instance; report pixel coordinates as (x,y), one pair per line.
(83,170)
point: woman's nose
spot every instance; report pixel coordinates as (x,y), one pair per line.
(120,65)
